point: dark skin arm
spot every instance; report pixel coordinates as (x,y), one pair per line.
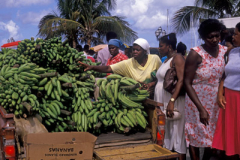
(102,69)
(221,98)
(149,86)
(108,69)
(179,62)
(191,65)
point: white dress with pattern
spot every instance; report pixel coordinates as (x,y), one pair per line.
(205,84)
(174,130)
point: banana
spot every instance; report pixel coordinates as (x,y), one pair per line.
(47,85)
(124,82)
(54,81)
(47,123)
(53,109)
(134,82)
(51,113)
(131,87)
(79,101)
(125,123)
(43,82)
(141,117)
(112,82)
(105,122)
(116,122)
(116,89)
(142,91)
(49,90)
(79,118)
(16,77)
(24,99)
(65,94)
(89,104)
(103,87)
(53,95)
(119,117)
(30,75)
(56,94)
(125,101)
(114,76)
(92,112)
(138,98)
(99,82)
(128,121)
(57,108)
(109,94)
(59,88)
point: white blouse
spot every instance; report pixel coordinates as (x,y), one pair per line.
(232,70)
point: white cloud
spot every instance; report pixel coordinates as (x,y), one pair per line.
(32,17)
(12,28)
(148,14)
(17,3)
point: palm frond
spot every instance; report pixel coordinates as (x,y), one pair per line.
(54,26)
(110,4)
(116,24)
(182,19)
(67,7)
(222,6)
(85,20)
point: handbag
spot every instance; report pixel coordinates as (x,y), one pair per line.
(170,80)
(177,115)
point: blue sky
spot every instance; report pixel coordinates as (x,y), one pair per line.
(19,18)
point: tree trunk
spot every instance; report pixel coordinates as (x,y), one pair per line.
(74,43)
(89,42)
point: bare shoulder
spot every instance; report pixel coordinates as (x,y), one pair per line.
(193,57)
(179,59)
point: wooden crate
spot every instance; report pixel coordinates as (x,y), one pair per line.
(135,152)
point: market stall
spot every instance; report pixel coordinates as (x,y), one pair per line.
(42,79)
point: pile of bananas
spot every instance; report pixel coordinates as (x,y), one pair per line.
(119,105)
(43,78)
(54,55)
(10,57)
(16,88)
(65,96)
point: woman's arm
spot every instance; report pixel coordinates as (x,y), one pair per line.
(221,98)
(149,86)
(179,63)
(191,65)
(102,69)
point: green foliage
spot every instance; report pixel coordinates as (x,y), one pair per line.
(85,21)
(203,9)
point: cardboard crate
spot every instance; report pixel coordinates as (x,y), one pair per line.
(136,152)
(60,146)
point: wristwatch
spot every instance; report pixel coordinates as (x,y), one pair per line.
(172,99)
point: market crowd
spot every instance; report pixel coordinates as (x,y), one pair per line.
(203,108)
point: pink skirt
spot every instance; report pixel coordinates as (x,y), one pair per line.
(227,133)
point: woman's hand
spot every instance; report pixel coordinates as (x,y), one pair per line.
(148,86)
(86,66)
(221,101)
(204,117)
(170,109)
(220,97)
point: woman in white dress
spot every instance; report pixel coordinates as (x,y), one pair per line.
(174,129)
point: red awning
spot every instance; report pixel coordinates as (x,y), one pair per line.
(12,44)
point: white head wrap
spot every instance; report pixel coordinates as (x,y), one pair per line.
(143,43)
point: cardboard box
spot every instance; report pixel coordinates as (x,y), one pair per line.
(60,146)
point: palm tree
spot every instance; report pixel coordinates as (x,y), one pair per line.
(203,9)
(85,21)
